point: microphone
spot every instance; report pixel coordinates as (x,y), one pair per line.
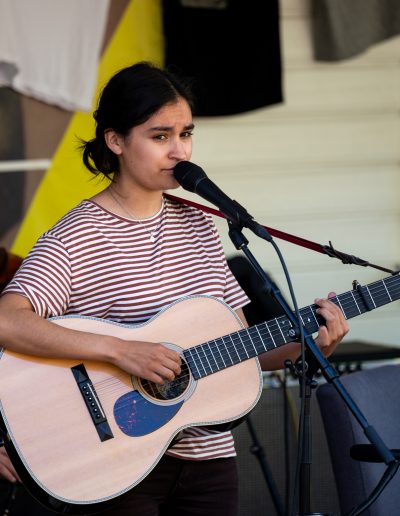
(193,178)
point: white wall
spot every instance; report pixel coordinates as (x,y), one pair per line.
(324,165)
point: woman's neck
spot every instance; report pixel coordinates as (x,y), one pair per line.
(134,204)
(139,205)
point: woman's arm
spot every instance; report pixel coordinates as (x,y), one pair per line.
(23,331)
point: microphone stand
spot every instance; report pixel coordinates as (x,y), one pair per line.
(258,451)
(314,360)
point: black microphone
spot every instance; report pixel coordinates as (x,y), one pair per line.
(193,178)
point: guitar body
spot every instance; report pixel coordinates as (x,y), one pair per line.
(53,439)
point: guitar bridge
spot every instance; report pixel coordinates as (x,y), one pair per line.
(92,402)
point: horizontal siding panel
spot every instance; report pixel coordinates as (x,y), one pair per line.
(375,240)
(373,138)
(276,194)
(341,91)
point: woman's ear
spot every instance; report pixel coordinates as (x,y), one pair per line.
(113,141)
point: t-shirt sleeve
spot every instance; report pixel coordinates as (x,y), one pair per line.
(44,277)
(234,295)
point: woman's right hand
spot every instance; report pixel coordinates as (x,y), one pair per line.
(7,471)
(152,361)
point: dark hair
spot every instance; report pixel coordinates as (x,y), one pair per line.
(129,99)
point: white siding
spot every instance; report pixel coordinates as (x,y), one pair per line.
(324,165)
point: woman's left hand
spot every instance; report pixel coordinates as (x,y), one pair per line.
(335,327)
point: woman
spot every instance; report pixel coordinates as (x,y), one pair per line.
(124,255)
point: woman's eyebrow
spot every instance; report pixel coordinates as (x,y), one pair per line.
(167,128)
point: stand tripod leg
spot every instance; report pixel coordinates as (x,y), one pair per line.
(257,450)
(306,460)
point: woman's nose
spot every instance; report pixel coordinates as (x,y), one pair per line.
(179,150)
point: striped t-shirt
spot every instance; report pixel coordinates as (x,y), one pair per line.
(95,263)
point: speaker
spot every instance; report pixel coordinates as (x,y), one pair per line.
(268,421)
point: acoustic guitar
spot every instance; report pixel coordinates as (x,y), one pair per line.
(82,434)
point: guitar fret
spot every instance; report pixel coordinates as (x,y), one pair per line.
(249,343)
(279,326)
(237,352)
(244,347)
(201,350)
(309,323)
(302,319)
(390,297)
(246,343)
(216,354)
(277,332)
(363,307)
(382,295)
(211,355)
(260,340)
(315,317)
(270,334)
(395,292)
(352,293)
(369,292)
(192,362)
(227,351)
(197,349)
(219,351)
(341,307)
(286,324)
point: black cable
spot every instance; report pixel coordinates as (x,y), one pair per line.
(292,510)
(387,476)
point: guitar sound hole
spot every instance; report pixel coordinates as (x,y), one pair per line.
(169,389)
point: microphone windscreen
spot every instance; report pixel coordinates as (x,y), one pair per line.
(188,175)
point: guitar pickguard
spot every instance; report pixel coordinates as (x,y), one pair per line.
(137,416)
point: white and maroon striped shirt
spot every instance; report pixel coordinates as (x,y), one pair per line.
(95,263)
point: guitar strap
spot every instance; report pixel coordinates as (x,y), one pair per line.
(324,249)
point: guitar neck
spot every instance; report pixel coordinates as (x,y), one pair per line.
(226,351)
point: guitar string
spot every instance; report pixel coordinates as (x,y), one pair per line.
(378,286)
(276,332)
(209,354)
(382,295)
(184,378)
(343,301)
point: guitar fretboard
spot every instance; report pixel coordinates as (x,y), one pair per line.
(215,355)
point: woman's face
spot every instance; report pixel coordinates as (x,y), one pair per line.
(149,153)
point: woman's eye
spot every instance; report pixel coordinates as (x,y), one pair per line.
(160,137)
(187,134)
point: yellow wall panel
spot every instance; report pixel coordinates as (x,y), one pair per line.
(138,37)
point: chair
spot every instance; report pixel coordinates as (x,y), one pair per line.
(377,393)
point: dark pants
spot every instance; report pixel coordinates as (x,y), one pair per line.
(16,501)
(184,488)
